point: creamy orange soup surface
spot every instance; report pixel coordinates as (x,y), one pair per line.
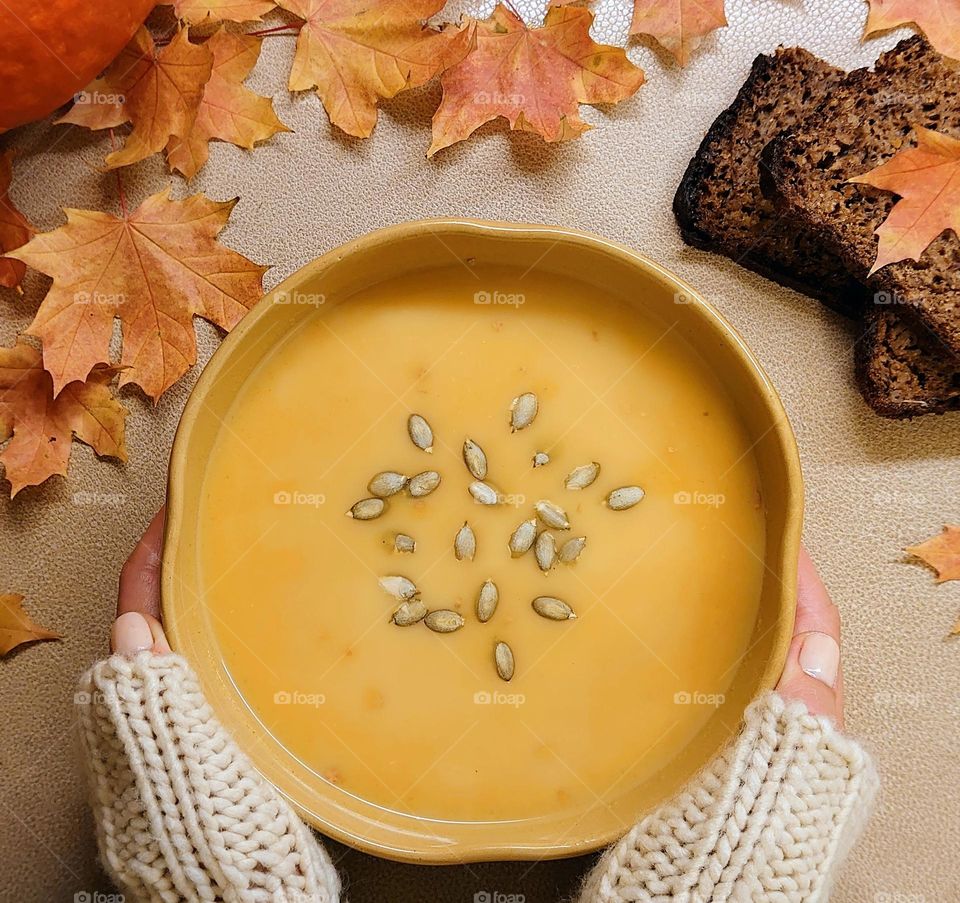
(666,593)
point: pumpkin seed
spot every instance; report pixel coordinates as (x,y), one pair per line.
(404,543)
(581,477)
(367,509)
(571,549)
(423,483)
(553,609)
(487,601)
(475,459)
(402,588)
(541,458)
(465,543)
(443,620)
(545,550)
(522,538)
(552,515)
(484,493)
(387,483)
(503,657)
(624,497)
(409,613)
(523,411)
(420,433)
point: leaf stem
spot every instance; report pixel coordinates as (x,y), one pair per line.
(275,30)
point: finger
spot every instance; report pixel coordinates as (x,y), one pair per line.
(812,673)
(134,632)
(140,575)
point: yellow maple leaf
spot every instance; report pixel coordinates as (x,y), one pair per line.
(942,553)
(355,53)
(927,178)
(939,20)
(16,627)
(678,25)
(228,111)
(154,269)
(198,11)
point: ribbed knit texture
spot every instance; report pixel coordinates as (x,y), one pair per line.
(182,815)
(768,820)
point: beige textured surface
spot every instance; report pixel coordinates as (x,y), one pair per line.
(873,486)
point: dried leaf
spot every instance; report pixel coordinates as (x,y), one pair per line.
(228,111)
(16,628)
(155,268)
(938,19)
(198,11)
(14,228)
(356,53)
(942,553)
(98,106)
(678,25)
(534,77)
(42,426)
(927,178)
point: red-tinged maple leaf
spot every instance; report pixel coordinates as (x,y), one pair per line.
(535,78)
(14,228)
(678,25)
(228,111)
(16,627)
(939,20)
(156,269)
(942,553)
(40,427)
(198,11)
(927,178)
(356,53)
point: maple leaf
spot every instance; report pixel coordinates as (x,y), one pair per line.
(40,427)
(155,268)
(534,77)
(356,53)
(942,553)
(158,91)
(927,178)
(16,628)
(228,111)
(677,25)
(197,11)
(939,20)
(14,228)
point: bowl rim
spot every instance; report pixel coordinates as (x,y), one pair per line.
(782,431)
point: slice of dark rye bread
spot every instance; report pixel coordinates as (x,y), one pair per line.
(720,207)
(861,124)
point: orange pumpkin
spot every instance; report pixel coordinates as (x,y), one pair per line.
(51,49)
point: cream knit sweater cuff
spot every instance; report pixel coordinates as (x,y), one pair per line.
(768,820)
(180,812)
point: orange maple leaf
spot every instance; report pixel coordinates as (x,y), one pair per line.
(16,628)
(14,228)
(678,25)
(158,91)
(356,53)
(155,268)
(535,78)
(40,426)
(942,553)
(197,11)
(927,178)
(228,111)
(939,20)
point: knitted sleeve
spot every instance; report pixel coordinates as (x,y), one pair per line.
(180,812)
(768,820)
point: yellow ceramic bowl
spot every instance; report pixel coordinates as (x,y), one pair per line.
(393,252)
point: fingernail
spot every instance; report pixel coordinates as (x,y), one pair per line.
(820,657)
(131,633)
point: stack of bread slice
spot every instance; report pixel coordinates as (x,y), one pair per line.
(769,188)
